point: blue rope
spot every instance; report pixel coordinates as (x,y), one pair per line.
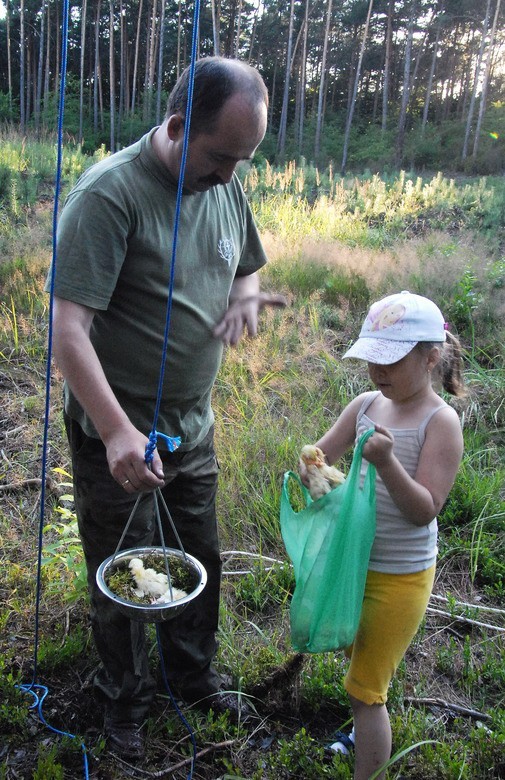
(173,442)
(38,701)
(174,703)
(32,688)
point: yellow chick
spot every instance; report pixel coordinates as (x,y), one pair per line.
(177,594)
(148,582)
(322,478)
(153,584)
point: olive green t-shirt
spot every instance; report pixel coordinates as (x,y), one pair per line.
(114,254)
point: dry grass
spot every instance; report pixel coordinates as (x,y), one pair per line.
(438,257)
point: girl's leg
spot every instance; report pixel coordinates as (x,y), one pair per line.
(372,737)
(393,607)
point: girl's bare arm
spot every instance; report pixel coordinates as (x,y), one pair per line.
(342,434)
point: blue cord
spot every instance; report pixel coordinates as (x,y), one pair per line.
(33,688)
(37,704)
(172,442)
(153,436)
(175,705)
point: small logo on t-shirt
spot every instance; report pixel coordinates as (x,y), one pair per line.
(226,249)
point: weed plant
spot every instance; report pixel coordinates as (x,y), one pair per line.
(335,245)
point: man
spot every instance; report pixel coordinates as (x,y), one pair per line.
(110,300)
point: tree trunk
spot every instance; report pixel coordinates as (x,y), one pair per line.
(239,24)
(40,67)
(136,58)
(9,54)
(22,104)
(150,60)
(253,33)
(281,141)
(179,28)
(122,72)
(58,45)
(465,83)
(387,65)
(48,61)
(159,84)
(84,9)
(28,77)
(303,78)
(216,23)
(96,70)
(429,85)
(272,98)
(400,136)
(417,61)
(485,81)
(473,97)
(355,91)
(319,121)
(112,79)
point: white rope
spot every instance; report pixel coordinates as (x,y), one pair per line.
(478,607)
(228,556)
(463,619)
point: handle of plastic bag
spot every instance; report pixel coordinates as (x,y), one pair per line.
(357,457)
(285,489)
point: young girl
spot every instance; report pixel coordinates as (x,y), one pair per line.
(416,447)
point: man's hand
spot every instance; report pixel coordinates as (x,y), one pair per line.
(243,313)
(126,458)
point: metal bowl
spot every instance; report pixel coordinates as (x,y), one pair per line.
(151,613)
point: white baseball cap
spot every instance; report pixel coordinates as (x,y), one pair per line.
(393,327)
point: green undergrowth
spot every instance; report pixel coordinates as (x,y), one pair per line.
(274,394)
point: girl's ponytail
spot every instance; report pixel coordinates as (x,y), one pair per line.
(451,365)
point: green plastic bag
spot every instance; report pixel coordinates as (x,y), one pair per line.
(329,543)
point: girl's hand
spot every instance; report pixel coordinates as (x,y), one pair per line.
(379,447)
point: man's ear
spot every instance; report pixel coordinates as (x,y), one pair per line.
(175,127)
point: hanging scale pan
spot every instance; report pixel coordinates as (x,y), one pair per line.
(116,581)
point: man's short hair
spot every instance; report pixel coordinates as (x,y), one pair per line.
(215,80)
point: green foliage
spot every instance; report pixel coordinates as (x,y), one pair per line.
(54,654)
(28,169)
(48,767)
(274,394)
(351,288)
(472,518)
(423,148)
(301,756)
(14,703)
(370,148)
(264,588)
(370,210)
(322,681)
(7,111)
(63,560)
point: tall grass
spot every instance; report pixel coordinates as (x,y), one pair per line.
(334,245)
(371,210)
(27,171)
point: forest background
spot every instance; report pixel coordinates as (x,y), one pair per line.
(376,84)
